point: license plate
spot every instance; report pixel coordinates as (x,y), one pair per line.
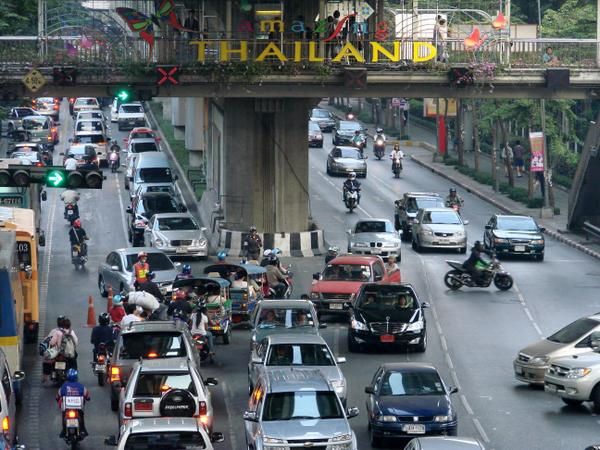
(73,402)
(100,367)
(70,212)
(518,370)
(336,306)
(60,365)
(387,338)
(72,423)
(519,248)
(181,250)
(375,251)
(414,429)
(550,387)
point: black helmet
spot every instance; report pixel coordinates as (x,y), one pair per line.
(59,321)
(478,246)
(453,190)
(356,131)
(104,319)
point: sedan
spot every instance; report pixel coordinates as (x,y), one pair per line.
(47,106)
(315,137)
(439,228)
(444,443)
(178,234)
(344,132)
(24,147)
(144,207)
(374,237)
(407,399)
(342,160)
(116,270)
(514,235)
(323,118)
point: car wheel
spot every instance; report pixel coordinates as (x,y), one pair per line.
(463,250)
(227,337)
(328,170)
(572,402)
(353,347)
(415,246)
(114,403)
(364,175)
(540,257)
(422,345)
(129,237)
(102,287)
(376,441)
(595,397)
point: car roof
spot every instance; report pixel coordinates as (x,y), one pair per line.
(349,122)
(379,283)
(142,130)
(180,364)
(163,424)
(345,147)
(295,379)
(136,250)
(438,209)
(36,116)
(422,194)
(172,215)
(449,443)
(142,140)
(154,326)
(409,367)
(131,104)
(293,304)
(158,156)
(27,144)
(512,216)
(296,338)
(354,259)
(374,219)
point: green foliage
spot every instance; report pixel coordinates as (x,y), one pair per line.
(573,19)
(537,202)
(518,194)
(365,115)
(562,180)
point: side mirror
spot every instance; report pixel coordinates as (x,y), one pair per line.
(465,222)
(250,416)
(111,441)
(365,157)
(352,412)
(256,359)
(425,305)
(128,210)
(542,229)
(183,208)
(203,229)
(19,375)
(488,227)
(216,437)
(175,177)
(114,268)
(340,359)
(369,390)
(322,326)
(348,231)
(42,239)
(177,265)
(44,196)
(453,390)
(210,381)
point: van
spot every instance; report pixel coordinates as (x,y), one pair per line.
(135,147)
(10,396)
(42,130)
(151,167)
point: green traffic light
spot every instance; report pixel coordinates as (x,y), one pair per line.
(55,178)
(123,95)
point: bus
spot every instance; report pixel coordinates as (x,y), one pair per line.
(23,197)
(22,222)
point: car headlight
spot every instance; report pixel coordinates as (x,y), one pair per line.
(391,244)
(578,372)
(415,326)
(314,295)
(426,231)
(460,233)
(159,243)
(360,244)
(202,242)
(339,386)
(319,136)
(446,418)
(385,418)
(271,440)
(500,241)
(538,242)
(356,325)
(539,360)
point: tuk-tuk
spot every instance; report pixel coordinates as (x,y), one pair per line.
(219,313)
(243,299)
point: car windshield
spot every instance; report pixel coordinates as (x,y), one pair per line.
(152,345)
(89,125)
(350,126)
(169,440)
(374,226)
(347,272)
(346,153)
(285,318)
(177,223)
(142,147)
(574,331)
(414,204)
(24,111)
(132,109)
(517,224)
(312,126)
(156,261)
(411,383)
(155,384)
(388,299)
(302,405)
(159,204)
(142,135)
(80,152)
(155,175)
(34,123)
(89,139)
(300,355)
(320,114)
(441,217)
(165,188)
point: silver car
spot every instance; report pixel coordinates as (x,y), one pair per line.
(176,234)
(342,160)
(157,187)
(297,408)
(297,350)
(444,443)
(374,237)
(439,228)
(117,269)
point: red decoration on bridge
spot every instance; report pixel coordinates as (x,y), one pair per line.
(500,22)
(168,74)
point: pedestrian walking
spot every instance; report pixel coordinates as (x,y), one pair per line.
(507,155)
(519,158)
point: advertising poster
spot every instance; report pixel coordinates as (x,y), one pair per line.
(536,140)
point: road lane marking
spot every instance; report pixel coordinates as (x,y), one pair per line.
(444,343)
(527,311)
(481,431)
(121,204)
(466,405)
(228,399)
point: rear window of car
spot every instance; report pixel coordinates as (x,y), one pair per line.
(89,125)
(184,440)
(159,204)
(142,147)
(152,345)
(347,272)
(157,261)
(300,355)
(86,102)
(413,204)
(35,123)
(142,135)
(155,384)
(131,109)
(155,175)
(320,113)
(89,138)
(574,331)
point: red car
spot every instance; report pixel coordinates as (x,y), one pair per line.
(342,277)
(141,132)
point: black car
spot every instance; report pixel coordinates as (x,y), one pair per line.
(409,399)
(387,315)
(514,235)
(325,119)
(144,207)
(315,137)
(344,132)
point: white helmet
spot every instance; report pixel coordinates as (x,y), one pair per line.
(352,176)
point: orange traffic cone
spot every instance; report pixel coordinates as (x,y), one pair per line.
(109,302)
(91,316)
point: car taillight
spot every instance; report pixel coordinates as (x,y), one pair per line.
(39,164)
(202,408)
(56,107)
(127,410)
(5,425)
(54,130)
(56,100)
(115,374)
(152,355)
(141,405)
(72,414)
(71,100)
(101,359)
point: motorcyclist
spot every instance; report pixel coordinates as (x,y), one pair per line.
(141,269)
(88,164)
(70,163)
(114,148)
(48,362)
(397,155)
(252,244)
(358,140)
(185,274)
(199,325)
(474,261)
(70,197)
(180,307)
(114,157)
(72,388)
(332,252)
(276,278)
(350,115)
(454,199)
(151,287)
(351,184)
(102,333)
(379,135)
(78,236)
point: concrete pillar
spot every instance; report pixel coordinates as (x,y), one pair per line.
(265,163)
(166,108)
(178,117)
(195,130)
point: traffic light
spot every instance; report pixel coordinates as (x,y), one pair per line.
(15,177)
(124,95)
(73,179)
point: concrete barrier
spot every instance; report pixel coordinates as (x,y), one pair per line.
(302,244)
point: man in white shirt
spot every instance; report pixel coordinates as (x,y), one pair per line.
(133,315)
(70,162)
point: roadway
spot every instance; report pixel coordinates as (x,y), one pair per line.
(473,335)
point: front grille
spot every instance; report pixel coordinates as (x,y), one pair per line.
(559,371)
(179,243)
(520,241)
(313,444)
(411,419)
(444,234)
(336,296)
(524,358)
(388,327)
(376,244)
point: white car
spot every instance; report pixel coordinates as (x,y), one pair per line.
(100,142)
(90,125)
(177,234)
(374,237)
(85,103)
(134,147)
(130,115)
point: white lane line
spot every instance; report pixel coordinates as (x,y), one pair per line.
(340,191)
(123,218)
(449,361)
(527,310)
(444,343)
(456,380)
(229,399)
(466,405)
(481,431)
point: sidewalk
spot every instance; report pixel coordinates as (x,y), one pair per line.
(421,150)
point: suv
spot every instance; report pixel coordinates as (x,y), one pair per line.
(343,277)
(152,384)
(407,207)
(147,340)
(10,395)
(287,402)
(144,207)
(134,147)
(387,315)
(130,115)
(15,117)
(83,104)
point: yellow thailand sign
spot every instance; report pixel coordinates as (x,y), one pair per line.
(299,51)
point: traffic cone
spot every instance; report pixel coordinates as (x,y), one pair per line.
(91,318)
(109,302)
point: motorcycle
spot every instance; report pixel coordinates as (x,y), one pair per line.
(459,276)
(201,343)
(289,288)
(72,409)
(71,212)
(454,205)
(351,199)
(397,167)
(79,255)
(59,370)
(114,161)
(379,147)
(360,145)
(100,365)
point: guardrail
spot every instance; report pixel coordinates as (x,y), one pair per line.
(591,229)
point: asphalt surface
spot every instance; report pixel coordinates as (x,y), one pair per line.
(473,334)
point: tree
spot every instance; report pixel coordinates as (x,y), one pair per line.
(573,19)
(18,17)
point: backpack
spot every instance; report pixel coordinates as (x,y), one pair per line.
(67,346)
(43,346)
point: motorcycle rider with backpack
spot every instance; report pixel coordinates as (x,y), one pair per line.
(65,340)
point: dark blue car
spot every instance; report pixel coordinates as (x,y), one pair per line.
(407,400)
